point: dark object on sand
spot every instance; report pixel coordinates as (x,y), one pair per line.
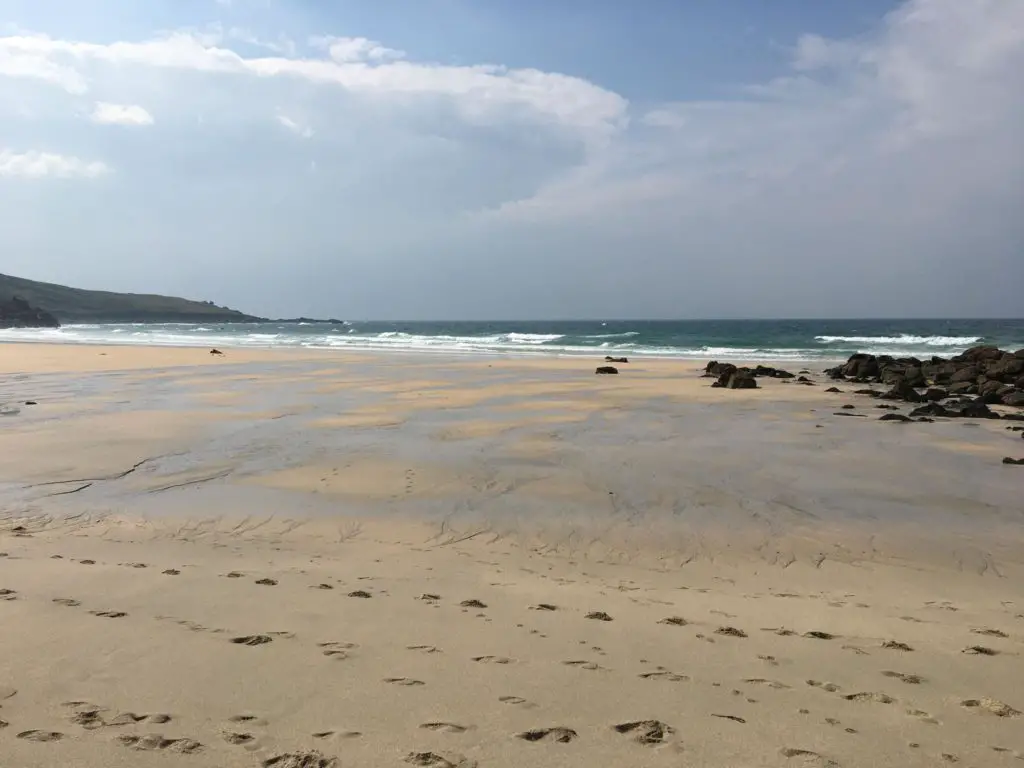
(18,313)
(606,369)
(1008,460)
(893,417)
(834,390)
(616,359)
(216,352)
(849,407)
(731,377)
(932,409)
(31,402)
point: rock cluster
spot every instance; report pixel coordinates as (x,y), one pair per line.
(992,376)
(18,313)
(731,377)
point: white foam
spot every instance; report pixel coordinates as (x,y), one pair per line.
(904,338)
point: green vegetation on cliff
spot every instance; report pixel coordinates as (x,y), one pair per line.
(75,305)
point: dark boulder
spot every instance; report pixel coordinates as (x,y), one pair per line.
(893,417)
(903,391)
(967,373)
(740,378)
(1015,398)
(715,368)
(606,369)
(1008,460)
(975,409)
(931,409)
(963,388)
(772,373)
(1007,369)
(18,313)
(861,366)
(834,389)
(979,354)
(934,394)
(868,392)
(616,359)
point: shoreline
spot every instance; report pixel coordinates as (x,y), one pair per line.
(180,354)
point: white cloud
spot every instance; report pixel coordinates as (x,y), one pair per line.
(941,82)
(37,165)
(350,49)
(106,113)
(297,128)
(483,92)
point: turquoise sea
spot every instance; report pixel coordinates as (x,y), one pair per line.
(697,339)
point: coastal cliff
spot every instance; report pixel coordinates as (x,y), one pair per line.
(55,304)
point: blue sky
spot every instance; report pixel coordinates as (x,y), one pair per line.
(476,158)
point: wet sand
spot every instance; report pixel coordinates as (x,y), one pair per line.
(290,538)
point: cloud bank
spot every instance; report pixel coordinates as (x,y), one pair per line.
(875,176)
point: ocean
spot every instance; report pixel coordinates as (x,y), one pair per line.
(694,339)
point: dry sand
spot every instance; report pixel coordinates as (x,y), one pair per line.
(524,566)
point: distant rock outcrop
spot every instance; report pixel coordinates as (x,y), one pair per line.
(18,313)
(994,376)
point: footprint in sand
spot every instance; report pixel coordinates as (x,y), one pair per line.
(989,632)
(8,594)
(830,687)
(267,582)
(233,575)
(769,683)
(406,681)
(361,593)
(730,632)
(583,664)
(311,759)
(428,597)
(558,734)
(171,572)
(473,604)
(445,727)
(337,645)
(424,648)
(154,742)
(990,706)
(599,616)
(807,757)
(41,736)
(135,565)
(674,621)
(493,660)
(339,734)
(665,676)
(436,760)
(516,701)
(980,650)
(816,635)
(896,645)
(250,720)
(238,738)
(252,640)
(734,718)
(923,716)
(904,678)
(321,586)
(109,614)
(646,732)
(543,607)
(873,696)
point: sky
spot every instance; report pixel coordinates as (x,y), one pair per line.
(520,159)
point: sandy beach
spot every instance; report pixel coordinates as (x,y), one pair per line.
(303,559)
